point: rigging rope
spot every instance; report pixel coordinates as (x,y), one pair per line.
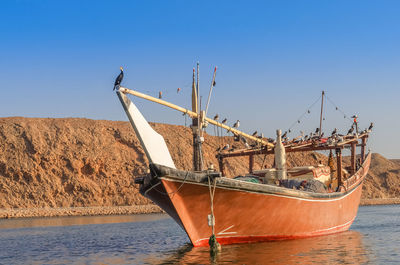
(302,115)
(168,193)
(337,108)
(345,116)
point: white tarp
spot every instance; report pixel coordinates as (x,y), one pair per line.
(153,143)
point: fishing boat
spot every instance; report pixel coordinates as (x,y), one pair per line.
(261,205)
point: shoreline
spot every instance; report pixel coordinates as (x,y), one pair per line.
(380,201)
(7,213)
(78,211)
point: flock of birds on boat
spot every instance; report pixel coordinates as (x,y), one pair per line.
(313,137)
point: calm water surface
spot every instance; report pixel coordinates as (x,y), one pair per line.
(374,238)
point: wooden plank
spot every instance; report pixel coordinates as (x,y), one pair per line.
(251,163)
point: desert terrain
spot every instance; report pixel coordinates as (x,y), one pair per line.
(75,166)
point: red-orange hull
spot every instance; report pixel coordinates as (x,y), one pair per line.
(245,215)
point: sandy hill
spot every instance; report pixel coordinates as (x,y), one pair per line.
(81,162)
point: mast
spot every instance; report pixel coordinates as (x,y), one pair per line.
(196,126)
(322,109)
(198,88)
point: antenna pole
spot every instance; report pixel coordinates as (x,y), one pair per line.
(197,86)
(212,85)
(322,109)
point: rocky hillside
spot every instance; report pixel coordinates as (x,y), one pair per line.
(81,162)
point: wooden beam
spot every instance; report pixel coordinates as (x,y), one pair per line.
(363,145)
(339,166)
(353,158)
(221,164)
(251,163)
(192,115)
(269,151)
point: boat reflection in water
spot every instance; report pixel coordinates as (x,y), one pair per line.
(341,248)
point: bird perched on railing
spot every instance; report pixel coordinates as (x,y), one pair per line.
(119,78)
(224,121)
(284,135)
(254,134)
(236,124)
(244,140)
(351,130)
(226,147)
(334,132)
(233,148)
(216,117)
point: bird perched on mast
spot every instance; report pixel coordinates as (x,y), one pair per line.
(119,78)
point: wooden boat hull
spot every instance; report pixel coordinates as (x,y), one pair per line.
(250,212)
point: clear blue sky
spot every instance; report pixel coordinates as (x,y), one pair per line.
(60,59)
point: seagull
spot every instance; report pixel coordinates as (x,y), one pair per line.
(244,140)
(232,149)
(317,130)
(225,147)
(237,124)
(334,131)
(119,78)
(371,126)
(284,135)
(254,133)
(224,121)
(322,135)
(216,117)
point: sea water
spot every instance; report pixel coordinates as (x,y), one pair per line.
(156,239)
